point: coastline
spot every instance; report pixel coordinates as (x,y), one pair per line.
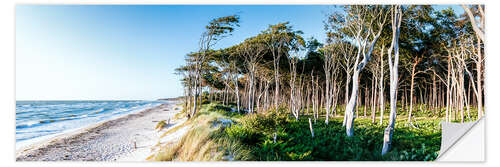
(103,141)
(26,144)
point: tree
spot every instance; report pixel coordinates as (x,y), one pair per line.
(381,85)
(417,46)
(216,29)
(295,93)
(280,38)
(435,60)
(478,27)
(336,34)
(397,14)
(330,67)
(252,50)
(377,70)
(472,13)
(232,79)
(446,29)
(363,24)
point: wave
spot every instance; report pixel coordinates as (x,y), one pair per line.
(98,111)
(34,123)
(47,118)
(27,124)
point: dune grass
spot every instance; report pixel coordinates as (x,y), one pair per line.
(160,125)
(205,140)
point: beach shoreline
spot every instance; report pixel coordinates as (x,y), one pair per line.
(104,141)
(36,141)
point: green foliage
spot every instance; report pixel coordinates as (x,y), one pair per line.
(263,122)
(225,110)
(252,137)
(294,142)
(331,143)
(243,134)
(274,135)
(222,25)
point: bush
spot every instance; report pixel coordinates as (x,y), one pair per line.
(243,134)
(264,122)
(160,125)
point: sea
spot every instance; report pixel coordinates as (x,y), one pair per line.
(40,120)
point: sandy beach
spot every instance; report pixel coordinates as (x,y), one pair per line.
(127,138)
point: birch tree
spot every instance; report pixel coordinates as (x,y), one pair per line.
(330,68)
(396,13)
(473,13)
(294,91)
(381,85)
(364,25)
(252,50)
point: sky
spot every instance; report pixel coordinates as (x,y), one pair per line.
(121,52)
(129,52)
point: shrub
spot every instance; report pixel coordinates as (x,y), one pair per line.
(243,134)
(160,125)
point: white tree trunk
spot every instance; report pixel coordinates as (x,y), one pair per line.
(381,85)
(366,43)
(349,111)
(311,128)
(393,66)
(237,94)
(346,97)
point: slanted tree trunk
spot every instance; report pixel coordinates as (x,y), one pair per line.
(365,48)
(479,86)
(352,104)
(311,128)
(393,67)
(348,65)
(479,30)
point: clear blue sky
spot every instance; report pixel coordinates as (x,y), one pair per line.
(126,52)
(111,52)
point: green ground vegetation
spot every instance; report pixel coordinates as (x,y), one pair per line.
(252,137)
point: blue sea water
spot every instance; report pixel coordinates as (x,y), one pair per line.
(38,120)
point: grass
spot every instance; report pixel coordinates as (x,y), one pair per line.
(174,129)
(160,125)
(251,137)
(204,141)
